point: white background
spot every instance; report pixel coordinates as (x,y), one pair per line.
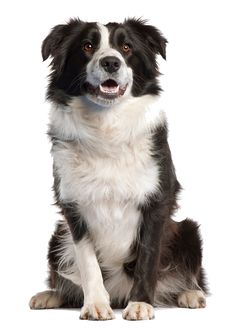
(199,99)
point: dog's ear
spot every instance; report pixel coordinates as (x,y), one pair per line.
(151,35)
(156,40)
(54,41)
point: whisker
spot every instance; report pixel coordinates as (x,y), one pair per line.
(76,79)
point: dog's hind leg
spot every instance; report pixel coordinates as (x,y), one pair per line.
(183,283)
(189,259)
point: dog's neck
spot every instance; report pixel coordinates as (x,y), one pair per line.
(124,122)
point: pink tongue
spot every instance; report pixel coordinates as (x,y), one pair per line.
(108,89)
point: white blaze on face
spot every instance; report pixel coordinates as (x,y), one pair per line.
(104,43)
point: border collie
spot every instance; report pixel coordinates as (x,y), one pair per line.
(114,180)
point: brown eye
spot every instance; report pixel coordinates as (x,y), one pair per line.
(126,48)
(88,47)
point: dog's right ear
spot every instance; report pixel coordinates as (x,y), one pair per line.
(53,41)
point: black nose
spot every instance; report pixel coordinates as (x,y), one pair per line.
(110,64)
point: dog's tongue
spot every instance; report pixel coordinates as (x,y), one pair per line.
(109,86)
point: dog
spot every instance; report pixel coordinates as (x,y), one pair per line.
(116,245)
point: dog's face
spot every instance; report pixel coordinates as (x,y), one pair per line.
(104,63)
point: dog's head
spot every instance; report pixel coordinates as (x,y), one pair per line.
(104,63)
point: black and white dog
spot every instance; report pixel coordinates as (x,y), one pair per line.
(114,179)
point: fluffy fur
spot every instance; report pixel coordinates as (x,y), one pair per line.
(114,179)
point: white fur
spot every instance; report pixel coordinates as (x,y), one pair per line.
(104,42)
(109,156)
(90,273)
(124,122)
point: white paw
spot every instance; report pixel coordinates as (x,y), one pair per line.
(98,311)
(45,300)
(138,311)
(193,299)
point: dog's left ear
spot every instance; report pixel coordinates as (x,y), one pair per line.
(156,40)
(151,36)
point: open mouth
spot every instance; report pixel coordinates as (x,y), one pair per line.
(109,89)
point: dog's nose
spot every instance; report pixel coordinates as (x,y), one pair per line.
(110,64)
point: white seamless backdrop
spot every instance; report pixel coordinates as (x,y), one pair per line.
(199,99)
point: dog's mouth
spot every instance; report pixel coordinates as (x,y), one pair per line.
(109,89)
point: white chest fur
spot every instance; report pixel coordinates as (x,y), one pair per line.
(104,164)
(108,154)
(129,175)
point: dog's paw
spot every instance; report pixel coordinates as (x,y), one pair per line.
(193,299)
(98,311)
(45,300)
(138,311)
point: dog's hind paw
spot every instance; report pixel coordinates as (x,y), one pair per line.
(193,299)
(45,300)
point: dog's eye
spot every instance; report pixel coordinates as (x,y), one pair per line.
(88,47)
(126,48)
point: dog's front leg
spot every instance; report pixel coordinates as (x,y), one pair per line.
(146,268)
(96,298)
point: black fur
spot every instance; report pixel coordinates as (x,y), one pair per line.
(76,223)
(156,213)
